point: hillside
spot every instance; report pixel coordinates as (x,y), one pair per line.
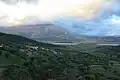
(52,33)
(10,38)
(14,38)
(25,59)
(22,45)
(40,32)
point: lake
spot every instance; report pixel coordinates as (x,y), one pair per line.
(104,44)
(65,43)
(108,44)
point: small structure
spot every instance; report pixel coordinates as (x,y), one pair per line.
(33,47)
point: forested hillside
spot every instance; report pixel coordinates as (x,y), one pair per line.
(25,59)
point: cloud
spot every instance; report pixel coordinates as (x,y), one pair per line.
(106,27)
(106,22)
(17,11)
(11,2)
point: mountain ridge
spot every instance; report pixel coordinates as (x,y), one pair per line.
(51,33)
(41,32)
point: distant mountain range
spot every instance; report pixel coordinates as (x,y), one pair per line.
(41,32)
(52,33)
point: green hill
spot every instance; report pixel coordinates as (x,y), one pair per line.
(25,59)
(10,38)
(13,38)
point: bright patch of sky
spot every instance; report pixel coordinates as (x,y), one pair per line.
(15,14)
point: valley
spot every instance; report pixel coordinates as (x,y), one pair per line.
(59,39)
(84,61)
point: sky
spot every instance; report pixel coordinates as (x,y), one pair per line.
(87,17)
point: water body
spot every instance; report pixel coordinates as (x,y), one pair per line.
(65,43)
(108,44)
(98,44)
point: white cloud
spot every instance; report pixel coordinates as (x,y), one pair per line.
(47,9)
(115,19)
(111,25)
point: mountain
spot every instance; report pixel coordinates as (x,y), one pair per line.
(41,32)
(51,33)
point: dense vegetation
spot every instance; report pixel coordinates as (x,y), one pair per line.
(24,59)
